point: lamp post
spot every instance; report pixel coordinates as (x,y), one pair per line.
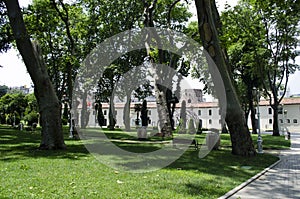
(259,138)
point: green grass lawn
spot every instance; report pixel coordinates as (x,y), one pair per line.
(75,173)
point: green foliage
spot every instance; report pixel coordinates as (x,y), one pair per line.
(181,128)
(31,118)
(6,36)
(13,107)
(3,90)
(191,127)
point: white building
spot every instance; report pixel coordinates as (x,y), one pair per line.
(209,114)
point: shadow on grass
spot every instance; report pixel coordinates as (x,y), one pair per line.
(15,145)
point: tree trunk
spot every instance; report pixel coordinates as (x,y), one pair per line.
(126,113)
(252,109)
(84,112)
(111,114)
(208,22)
(275,120)
(253,119)
(162,110)
(49,105)
(160,90)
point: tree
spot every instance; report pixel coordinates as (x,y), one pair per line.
(6,36)
(100,115)
(161,74)
(137,109)
(3,90)
(209,25)
(191,127)
(144,114)
(281,25)
(49,105)
(243,36)
(183,114)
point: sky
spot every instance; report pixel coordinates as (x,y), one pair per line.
(14,72)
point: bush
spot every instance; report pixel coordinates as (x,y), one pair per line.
(181,127)
(191,127)
(31,118)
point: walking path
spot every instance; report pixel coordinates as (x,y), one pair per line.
(280,182)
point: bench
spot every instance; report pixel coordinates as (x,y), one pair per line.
(185,141)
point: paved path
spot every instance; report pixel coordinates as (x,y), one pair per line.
(280,182)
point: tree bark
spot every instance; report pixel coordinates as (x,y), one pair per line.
(160,90)
(276,131)
(126,112)
(208,22)
(49,105)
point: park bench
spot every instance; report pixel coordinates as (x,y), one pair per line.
(185,141)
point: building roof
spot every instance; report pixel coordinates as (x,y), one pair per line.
(285,101)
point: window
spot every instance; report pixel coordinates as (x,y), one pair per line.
(295,121)
(210,121)
(281,121)
(189,101)
(270,121)
(199,112)
(104,112)
(288,121)
(209,112)
(116,112)
(270,111)
(149,112)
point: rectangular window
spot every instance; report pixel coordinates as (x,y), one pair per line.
(104,112)
(199,112)
(295,121)
(270,121)
(288,121)
(149,112)
(210,121)
(209,112)
(270,111)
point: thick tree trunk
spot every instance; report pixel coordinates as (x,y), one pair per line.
(208,20)
(49,105)
(160,90)
(162,110)
(276,131)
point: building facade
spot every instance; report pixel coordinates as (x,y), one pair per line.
(209,114)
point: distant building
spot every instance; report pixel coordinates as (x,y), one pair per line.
(208,113)
(192,96)
(24,89)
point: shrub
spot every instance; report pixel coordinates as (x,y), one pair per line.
(191,127)
(181,127)
(31,118)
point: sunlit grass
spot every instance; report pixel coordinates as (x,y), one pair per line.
(74,173)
